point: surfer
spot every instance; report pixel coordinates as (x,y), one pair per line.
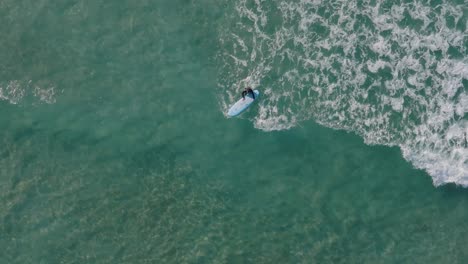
(246,91)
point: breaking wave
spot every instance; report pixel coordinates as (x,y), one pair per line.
(394,72)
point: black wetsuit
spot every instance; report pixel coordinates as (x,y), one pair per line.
(248,90)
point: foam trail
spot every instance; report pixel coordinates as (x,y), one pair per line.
(15,91)
(395,73)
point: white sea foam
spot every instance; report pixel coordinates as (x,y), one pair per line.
(15,91)
(12,91)
(376,66)
(386,71)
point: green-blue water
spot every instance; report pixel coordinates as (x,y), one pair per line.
(115,147)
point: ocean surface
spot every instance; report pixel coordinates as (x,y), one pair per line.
(115,146)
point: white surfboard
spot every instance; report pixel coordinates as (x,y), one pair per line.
(242,104)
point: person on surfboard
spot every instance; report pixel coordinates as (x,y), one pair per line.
(246,91)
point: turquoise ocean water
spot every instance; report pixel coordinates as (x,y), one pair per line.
(116,148)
